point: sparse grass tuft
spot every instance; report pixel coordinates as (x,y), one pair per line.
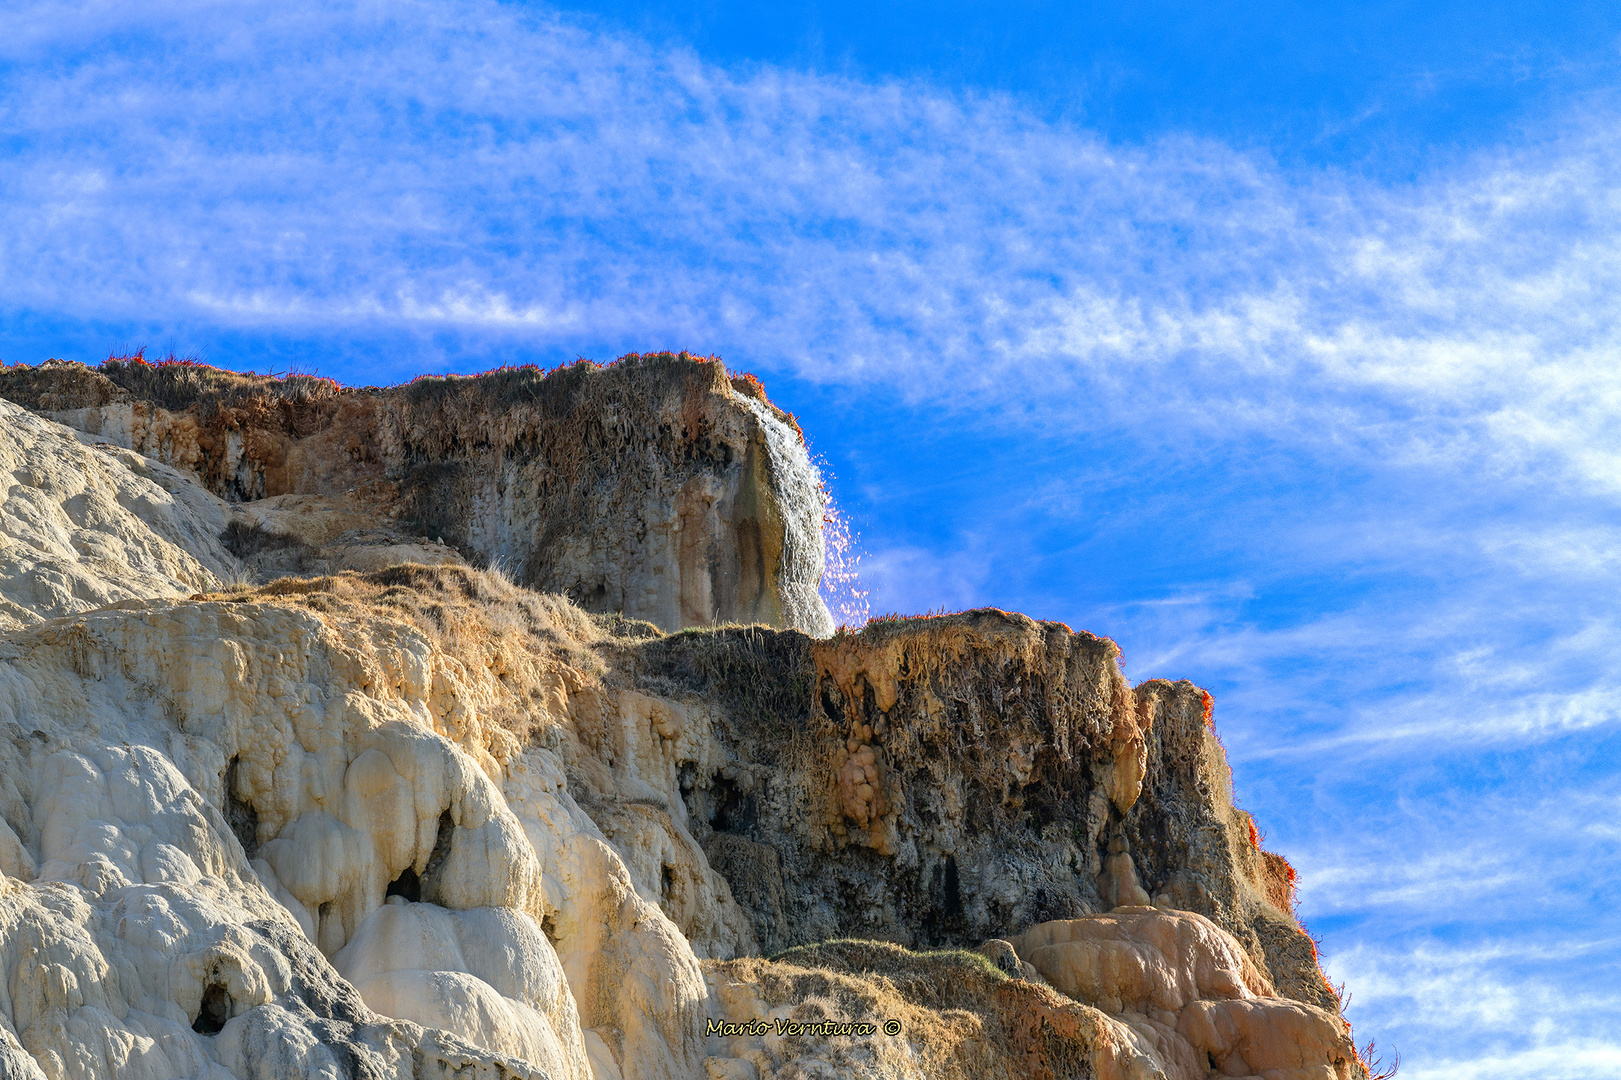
(526,641)
(179,382)
(935,978)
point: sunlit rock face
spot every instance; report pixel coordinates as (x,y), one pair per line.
(416,821)
(85,526)
(1188,996)
(246,832)
(657,487)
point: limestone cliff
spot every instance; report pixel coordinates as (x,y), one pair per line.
(656,486)
(421,821)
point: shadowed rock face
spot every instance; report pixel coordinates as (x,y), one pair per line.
(943,781)
(657,486)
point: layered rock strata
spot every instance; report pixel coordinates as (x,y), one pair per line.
(656,486)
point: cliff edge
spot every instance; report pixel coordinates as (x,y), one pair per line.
(657,486)
(421,820)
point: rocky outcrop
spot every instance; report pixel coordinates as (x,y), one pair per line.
(1188,997)
(239,829)
(82,527)
(421,821)
(656,486)
(953,779)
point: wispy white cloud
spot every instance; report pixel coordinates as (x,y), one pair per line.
(468,169)
(1488,1011)
(913,579)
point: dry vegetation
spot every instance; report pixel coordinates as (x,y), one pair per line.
(756,672)
(178,383)
(961,1018)
(479,618)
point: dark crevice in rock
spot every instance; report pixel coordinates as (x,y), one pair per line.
(429,887)
(731,810)
(215,1010)
(406,885)
(239,812)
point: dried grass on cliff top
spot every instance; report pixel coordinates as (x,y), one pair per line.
(961,1018)
(478,617)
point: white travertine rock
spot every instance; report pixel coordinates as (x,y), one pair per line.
(84,526)
(640,991)
(645,820)
(488,974)
(138,940)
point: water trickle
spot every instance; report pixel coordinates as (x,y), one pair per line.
(842,590)
(798,488)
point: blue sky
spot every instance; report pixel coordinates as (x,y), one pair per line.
(1277,341)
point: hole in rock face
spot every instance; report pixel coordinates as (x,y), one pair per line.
(239,813)
(953,889)
(215,1010)
(832,703)
(406,885)
(667,881)
(591,595)
(730,809)
(427,889)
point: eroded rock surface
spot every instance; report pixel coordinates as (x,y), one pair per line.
(421,822)
(219,799)
(657,486)
(1193,1002)
(81,527)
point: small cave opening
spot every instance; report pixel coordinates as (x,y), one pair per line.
(667,881)
(239,812)
(832,703)
(730,810)
(427,886)
(407,885)
(214,1011)
(953,889)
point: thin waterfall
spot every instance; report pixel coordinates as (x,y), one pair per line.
(798,487)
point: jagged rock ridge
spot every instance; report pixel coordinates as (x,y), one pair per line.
(421,822)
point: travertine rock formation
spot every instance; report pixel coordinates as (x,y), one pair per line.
(657,486)
(204,799)
(81,527)
(1190,998)
(421,822)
